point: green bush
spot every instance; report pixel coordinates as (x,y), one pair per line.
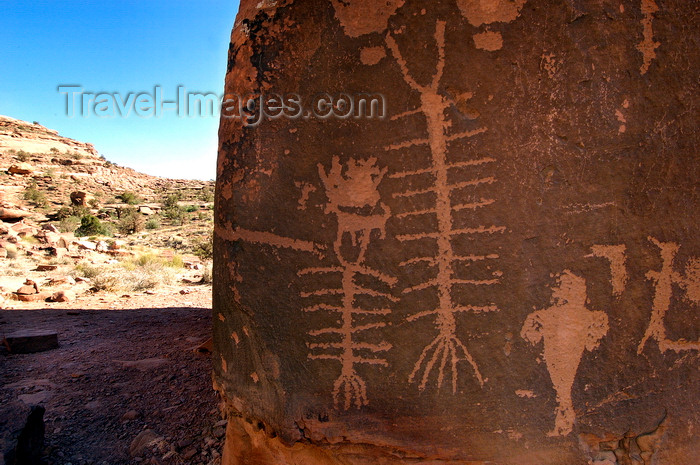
(129,198)
(191,208)
(204,247)
(170,201)
(69,223)
(175,214)
(206,194)
(35,196)
(90,226)
(152,223)
(130,221)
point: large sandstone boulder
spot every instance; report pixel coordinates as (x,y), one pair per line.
(504,269)
(21,168)
(12,214)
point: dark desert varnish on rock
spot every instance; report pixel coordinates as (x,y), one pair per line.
(504,269)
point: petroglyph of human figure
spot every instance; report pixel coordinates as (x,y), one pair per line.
(664,280)
(349,195)
(440,357)
(354,200)
(566,329)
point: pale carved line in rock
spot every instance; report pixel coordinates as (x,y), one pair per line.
(442,354)
(664,281)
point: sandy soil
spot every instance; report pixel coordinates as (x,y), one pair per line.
(118,373)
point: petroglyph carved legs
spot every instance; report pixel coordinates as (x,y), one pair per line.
(664,280)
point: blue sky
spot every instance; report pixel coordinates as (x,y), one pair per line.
(120,46)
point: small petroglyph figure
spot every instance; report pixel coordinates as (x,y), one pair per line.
(566,329)
(354,200)
(615,255)
(349,195)
(449,183)
(647,47)
(356,189)
(664,280)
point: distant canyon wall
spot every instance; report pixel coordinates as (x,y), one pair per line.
(459,232)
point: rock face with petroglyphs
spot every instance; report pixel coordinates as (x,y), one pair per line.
(459,232)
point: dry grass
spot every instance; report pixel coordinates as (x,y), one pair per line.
(147,271)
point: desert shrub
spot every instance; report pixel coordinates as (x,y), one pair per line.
(35,196)
(151,259)
(90,226)
(76,156)
(86,270)
(176,262)
(206,194)
(204,247)
(11,251)
(94,203)
(54,150)
(109,281)
(22,155)
(79,210)
(30,240)
(175,214)
(191,208)
(152,223)
(147,271)
(69,224)
(129,198)
(108,229)
(170,201)
(130,221)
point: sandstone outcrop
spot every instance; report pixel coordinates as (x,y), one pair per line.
(504,269)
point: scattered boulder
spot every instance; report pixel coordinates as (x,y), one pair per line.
(46,267)
(141,443)
(146,210)
(87,245)
(205,348)
(23,230)
(130,415)
(102,246)
(49,238)
(56,251)
(62,296)
(63,280)
(51,228)
(31,341)
(32,297)
(30,288)
(193,265)
(30,443)
(12,214)
(116,244)
(21,169)
(80,198)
